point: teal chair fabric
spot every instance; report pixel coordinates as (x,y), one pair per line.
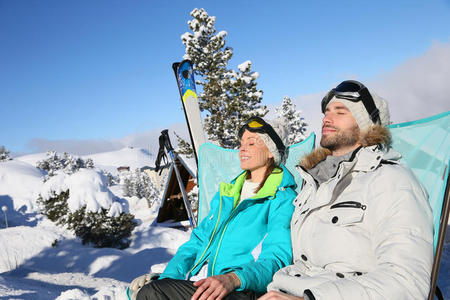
(217,164)
(425,147)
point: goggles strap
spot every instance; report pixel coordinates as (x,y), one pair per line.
(264,127)
(369,104)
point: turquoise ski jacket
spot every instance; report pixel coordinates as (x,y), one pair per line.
(234,232)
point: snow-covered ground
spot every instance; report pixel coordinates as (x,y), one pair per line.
(40,260)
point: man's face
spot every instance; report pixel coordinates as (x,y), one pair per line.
(340,132)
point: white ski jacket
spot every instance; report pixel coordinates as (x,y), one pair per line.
(366,233)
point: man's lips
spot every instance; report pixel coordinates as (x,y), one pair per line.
(326,130)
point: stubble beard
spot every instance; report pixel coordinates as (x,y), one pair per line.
(340,139)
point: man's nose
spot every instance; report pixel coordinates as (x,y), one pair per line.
(327,119)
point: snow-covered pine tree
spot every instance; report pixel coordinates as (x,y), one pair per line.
(4,154)
(66,162)
(184,147)
(243,102)
(70,163)
(52,163)
(228,97)
(139,184)
(292,120)
(151,193)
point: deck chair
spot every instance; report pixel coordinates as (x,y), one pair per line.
(425,148)
(217,164)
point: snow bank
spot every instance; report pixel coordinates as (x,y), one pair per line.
(87,187)
(18,244)
(20,184)
(112,293)
(74,294)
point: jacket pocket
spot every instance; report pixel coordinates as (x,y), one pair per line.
(345,213)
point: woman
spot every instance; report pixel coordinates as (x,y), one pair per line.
(249,215)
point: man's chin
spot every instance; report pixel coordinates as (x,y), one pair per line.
(327,143)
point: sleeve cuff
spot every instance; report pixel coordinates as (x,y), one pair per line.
(308,295)
(241,279)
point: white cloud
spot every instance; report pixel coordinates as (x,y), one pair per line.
(417,88)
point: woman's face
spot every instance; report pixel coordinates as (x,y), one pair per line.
(253,153)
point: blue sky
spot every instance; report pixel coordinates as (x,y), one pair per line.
(98,73)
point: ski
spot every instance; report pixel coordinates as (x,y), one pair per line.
(184,74)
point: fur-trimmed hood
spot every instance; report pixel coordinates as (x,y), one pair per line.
(375,135)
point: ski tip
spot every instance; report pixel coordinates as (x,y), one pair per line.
(175,66)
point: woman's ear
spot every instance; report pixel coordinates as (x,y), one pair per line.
(270,155)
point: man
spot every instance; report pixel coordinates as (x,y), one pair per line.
(362,226)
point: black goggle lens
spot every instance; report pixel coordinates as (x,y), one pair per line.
(348,87)
(352,86)
(343,87)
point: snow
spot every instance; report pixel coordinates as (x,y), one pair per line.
(31,159)
(19,185)
(87,187)
(245,66)
(40,260)
(129,157)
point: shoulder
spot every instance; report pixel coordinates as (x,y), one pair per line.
(397,174)
(394,186)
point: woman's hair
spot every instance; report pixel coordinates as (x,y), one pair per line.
(270,167)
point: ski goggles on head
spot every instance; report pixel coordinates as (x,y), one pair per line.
(258,125)
(354,91)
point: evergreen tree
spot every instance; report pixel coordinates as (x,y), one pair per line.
(227,97)
(66,162)
(291,120)
(193,199)
(139,184)
(151,193)
(243,102)
(184,147)
(4,154)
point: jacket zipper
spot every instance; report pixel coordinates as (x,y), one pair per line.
(221,236)
(352,204)
(233,213)
(210,240)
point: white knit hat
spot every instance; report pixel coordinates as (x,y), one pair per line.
(282,133)
(360,113)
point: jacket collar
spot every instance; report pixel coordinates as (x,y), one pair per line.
(376,135)
(364,159)
(277,180)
